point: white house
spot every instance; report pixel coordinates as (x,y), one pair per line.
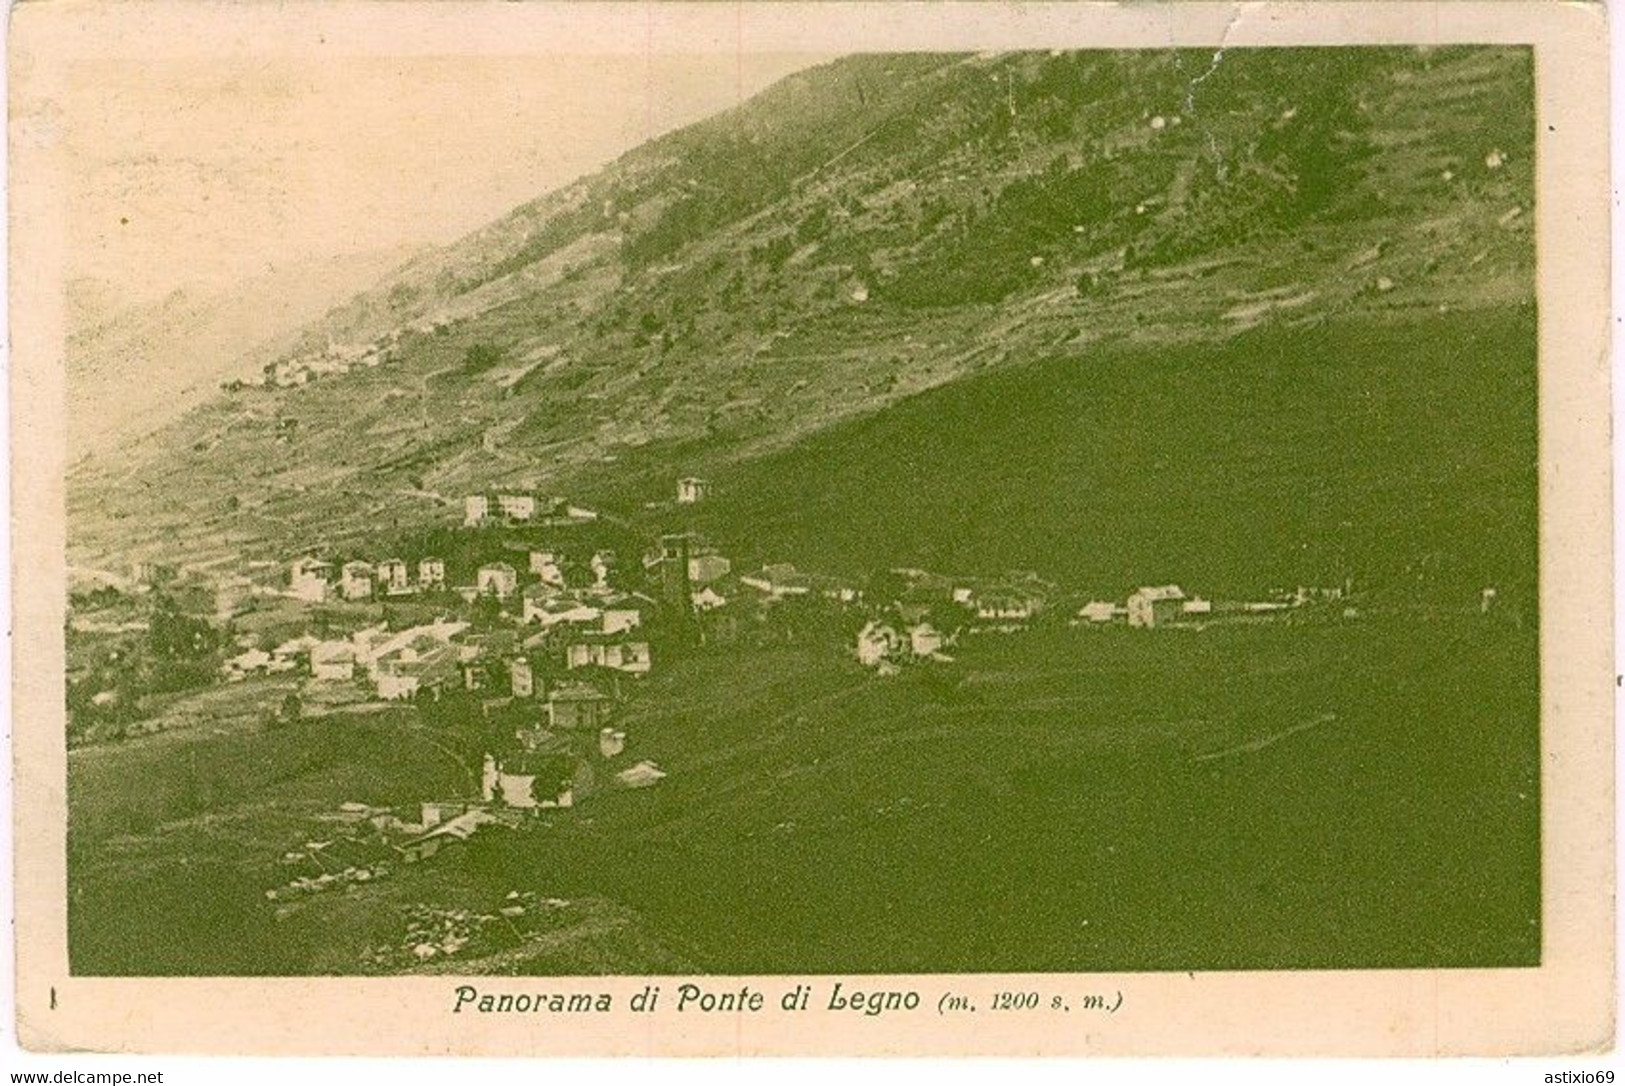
(245,664)
(547,566)
(575,706)
(707,566)
(403,669)
(376,642)
(431,574)
(610,742)
(691,490)
(1196,605)
(779,580)
(394,577)
(476,508)
(513,781)
(521,677)
(400,664)
(1158,605)
(708,599)
(620,615)
(643,775)
(1004,605)
(517,507)
(497,579)
(925,639)
(355,581)
(1098,612)
(368,640)
(877,642)
(310,580)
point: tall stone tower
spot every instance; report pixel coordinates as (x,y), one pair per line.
(675,588)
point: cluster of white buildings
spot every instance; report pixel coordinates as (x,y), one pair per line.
(591,628)
(905,633)
(885,645)
(1159,606)
(395,663)
(522,506)
(331,361)
(781,580)
(570,751)
(314,580)
(1147,608)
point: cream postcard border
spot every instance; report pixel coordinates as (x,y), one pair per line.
(1565,1005)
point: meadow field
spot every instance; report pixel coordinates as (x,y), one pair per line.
(1353,794)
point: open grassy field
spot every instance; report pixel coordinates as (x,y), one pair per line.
(174,838)
(1360,794)
(1357,795)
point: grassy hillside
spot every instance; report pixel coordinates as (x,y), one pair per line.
(1400,454)
(1262,798)
(860,233)
(1344,795)
(135,367)
(169,878)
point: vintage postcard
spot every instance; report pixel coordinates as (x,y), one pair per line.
(829,529)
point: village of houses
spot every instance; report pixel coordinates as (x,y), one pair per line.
(555,644)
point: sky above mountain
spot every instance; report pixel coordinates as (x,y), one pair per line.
(246,168)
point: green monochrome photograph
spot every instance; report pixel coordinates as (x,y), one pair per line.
(1035,511)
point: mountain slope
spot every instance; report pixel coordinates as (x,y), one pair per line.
(1400,455)
(134,367)
(856,235)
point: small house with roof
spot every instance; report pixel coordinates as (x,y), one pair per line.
(603,566)
(516,507)
(878,642)
(549,608)
(578,706)
(779,580)
(1098,613)
(355,581)
(408,670)
(310,580)
(549,566)
(538,779)
(497,579)
(1159,605)
(925,640)
(394,578)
